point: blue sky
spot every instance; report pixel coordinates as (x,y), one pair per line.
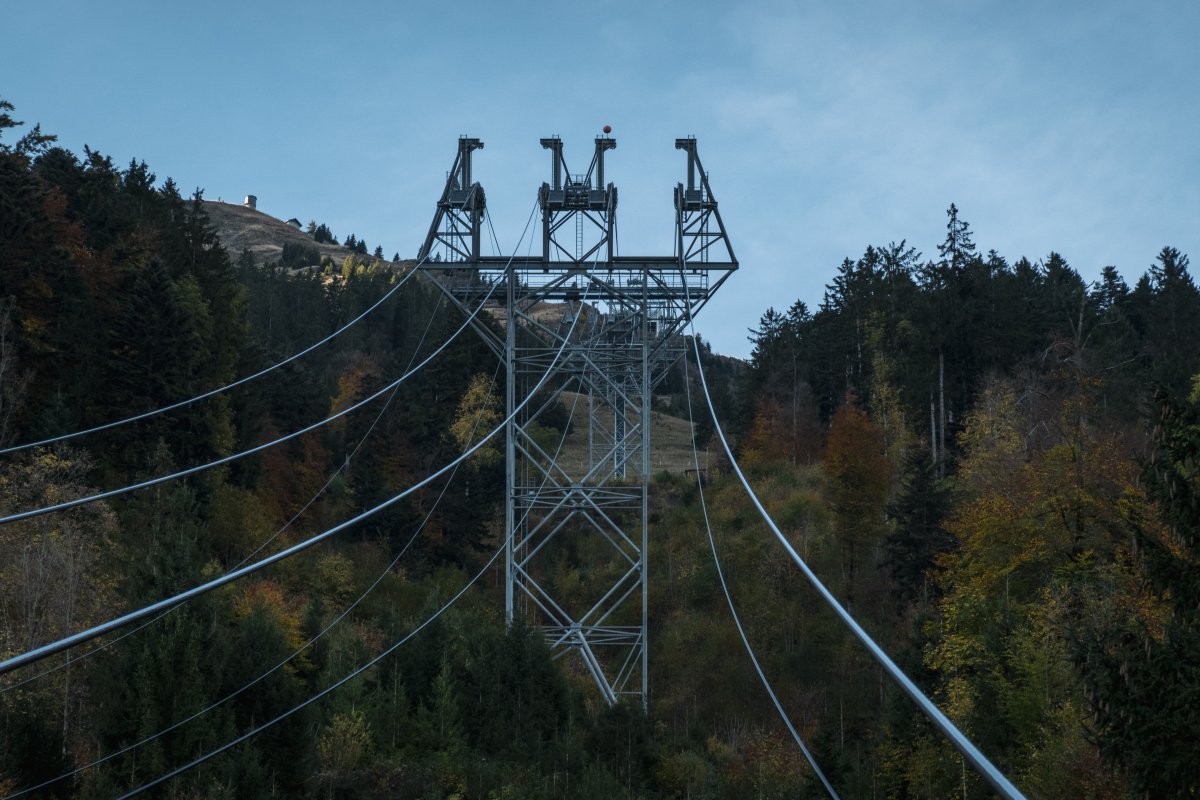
(825,127)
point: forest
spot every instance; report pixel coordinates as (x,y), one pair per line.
(995,465)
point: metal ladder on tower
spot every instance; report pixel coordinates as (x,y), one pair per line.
(578,234)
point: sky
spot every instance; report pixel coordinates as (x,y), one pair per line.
(825,127)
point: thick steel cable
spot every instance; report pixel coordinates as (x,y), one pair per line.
(278,666)
(367,591)
(146,611)
(994,777)
(327,628)
(354,451)
(212,392)
(266,445)
(370,663)
(314,698)
(342,681)
(345,462)
(737,621)
(242,454)
(495,242)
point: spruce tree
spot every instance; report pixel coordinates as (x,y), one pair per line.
(916,537)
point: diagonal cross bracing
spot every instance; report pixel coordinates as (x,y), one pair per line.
(585,518)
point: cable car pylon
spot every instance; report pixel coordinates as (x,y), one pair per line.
(586,510)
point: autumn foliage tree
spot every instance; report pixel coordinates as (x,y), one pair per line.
(782,434)
(116,297)
(478,413)
(1058,626)
(1139,642)
(1034,528)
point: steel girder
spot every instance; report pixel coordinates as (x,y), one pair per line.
(610,327)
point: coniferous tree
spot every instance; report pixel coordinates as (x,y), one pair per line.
(1173,317)
(916,537)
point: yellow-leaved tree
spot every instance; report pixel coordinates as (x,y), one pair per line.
(478,413)
(1034,526)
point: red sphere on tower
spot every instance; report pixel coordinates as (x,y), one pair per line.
(608,128)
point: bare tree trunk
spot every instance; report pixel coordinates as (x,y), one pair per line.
(66,725)
(933,453)
(795,391)
(841,724)
(858,347)
(941,414)
(71,580)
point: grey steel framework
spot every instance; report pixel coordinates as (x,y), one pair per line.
(621,319)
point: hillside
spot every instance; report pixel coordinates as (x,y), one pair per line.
(670,440)
(241,228)
(992,464)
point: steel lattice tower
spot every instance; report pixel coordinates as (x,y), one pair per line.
(618,321)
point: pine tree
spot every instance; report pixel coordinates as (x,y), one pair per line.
(958,248)
(949,303)
(916,537)
(1173,318)
(155,346)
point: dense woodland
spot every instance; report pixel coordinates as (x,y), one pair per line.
(995,465)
